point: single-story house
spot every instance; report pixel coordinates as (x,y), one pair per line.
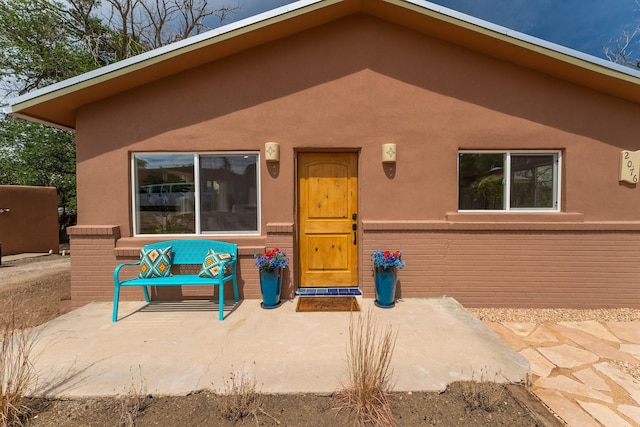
(503,166)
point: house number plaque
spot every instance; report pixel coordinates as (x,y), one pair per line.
(629,166)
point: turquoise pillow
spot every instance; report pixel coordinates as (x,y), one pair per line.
(211,264)
(155,262)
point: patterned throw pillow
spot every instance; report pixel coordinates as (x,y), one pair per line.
(211,265)
(155,262)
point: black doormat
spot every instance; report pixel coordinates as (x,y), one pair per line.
(310,304)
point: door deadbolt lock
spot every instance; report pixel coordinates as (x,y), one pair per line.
(354,216)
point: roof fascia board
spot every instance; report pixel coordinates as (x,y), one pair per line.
(546,48)
(155,56)
(38,120)
(514,39)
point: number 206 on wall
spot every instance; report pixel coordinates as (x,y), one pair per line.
(629,166)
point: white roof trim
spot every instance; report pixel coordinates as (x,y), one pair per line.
(155,55)
(531,40)
(120,68)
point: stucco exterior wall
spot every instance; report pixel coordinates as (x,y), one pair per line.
(31,224)
(354,85)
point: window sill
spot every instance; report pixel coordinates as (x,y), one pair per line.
(130,246)
(505,222)
(513,216)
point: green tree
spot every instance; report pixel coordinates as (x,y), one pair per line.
(38,46)
(32,154)
(46,41)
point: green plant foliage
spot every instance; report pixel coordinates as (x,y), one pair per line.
(43,42)
(38,46)
(33,154)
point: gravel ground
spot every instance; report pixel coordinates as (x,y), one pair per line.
(555,315)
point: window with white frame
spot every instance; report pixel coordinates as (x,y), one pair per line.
(508,181)
(195,193)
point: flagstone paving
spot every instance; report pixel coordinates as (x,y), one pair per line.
(577,368)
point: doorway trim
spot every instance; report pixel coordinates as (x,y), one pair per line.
(337,263)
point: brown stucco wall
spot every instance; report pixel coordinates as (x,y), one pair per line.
(355,84)
(31,225)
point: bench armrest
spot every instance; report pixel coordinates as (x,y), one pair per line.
(116,272)
(232,261)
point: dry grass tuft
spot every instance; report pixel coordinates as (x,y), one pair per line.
(484,393)
(241,400)
(16,351)
(367,392)
(134,401)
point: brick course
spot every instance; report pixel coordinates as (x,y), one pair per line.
(479,264)
(510,268)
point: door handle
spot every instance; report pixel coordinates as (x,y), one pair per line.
(354,227)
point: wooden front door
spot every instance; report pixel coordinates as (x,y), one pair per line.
(327,218)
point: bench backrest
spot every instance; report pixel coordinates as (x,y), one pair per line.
(194,251)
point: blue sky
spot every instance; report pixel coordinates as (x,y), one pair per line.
(584,25)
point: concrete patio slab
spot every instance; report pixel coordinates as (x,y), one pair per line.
(181,347)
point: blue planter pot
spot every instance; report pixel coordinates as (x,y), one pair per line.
(385,279)
(270,285)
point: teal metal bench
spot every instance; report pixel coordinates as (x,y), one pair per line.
(184,252)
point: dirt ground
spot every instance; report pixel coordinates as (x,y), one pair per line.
(38,289)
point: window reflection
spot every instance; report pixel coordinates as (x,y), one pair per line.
(165,194)
(507,181)
(228,193)
(167,185)
(531,181)
(481,181)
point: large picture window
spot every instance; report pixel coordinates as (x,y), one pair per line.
(195,193)
(508,181)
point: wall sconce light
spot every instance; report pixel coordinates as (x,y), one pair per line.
(389,153)
(272,152)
